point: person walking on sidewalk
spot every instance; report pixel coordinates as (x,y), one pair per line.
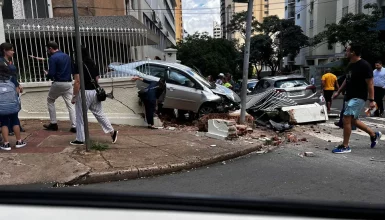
(60,71)
(153,92)
(91,78)
(358,83)
(329,85)
(10,105)
(379,87)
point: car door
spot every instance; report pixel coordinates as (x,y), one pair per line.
(183,91)
(151,72)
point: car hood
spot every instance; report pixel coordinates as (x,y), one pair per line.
(222,90)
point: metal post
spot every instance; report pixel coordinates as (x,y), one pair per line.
(2,35)
(246,61)
(80,62)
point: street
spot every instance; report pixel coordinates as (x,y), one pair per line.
(282,174)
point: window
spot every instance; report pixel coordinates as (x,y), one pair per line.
(345,10)
(291,83)
(153,70)
(34,9)
(133,4)
(266,85)
(285,8)
(311,24)
(169,12)
(298,16)
(266,12)
(266,6)
(178,78)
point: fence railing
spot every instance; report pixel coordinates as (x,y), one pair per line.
(105,45)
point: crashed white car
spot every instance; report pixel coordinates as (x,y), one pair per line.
(186,88)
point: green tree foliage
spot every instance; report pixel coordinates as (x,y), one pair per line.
(356,28)
(211,56)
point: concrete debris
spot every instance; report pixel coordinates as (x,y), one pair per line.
(292,138)
(221,129)
(326,148)
(307,113)
(213,145)
(280,126)
(309,154)
(172,128)
(301,155)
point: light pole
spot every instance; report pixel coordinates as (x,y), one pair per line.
(2,35)
(81,74)
(246,60)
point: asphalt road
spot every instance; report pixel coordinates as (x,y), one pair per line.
(283,174)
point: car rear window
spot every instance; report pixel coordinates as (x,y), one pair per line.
(290,83)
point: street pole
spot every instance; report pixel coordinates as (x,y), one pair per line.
(246,61)
(2,35)
(80,69)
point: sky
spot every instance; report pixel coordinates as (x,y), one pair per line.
(199,15)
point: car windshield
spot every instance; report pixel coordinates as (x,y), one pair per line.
(290,83)
(201,79)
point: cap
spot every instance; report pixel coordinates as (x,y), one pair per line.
(221,74)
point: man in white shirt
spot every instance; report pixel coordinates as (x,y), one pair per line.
(379,87)
(312,81)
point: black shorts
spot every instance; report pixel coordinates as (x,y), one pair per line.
(328,95)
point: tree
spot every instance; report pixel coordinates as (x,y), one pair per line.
(260,51)
(284,37)
(356,28)
(238,24)
(211,56)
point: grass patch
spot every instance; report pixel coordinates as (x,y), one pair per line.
(95,145)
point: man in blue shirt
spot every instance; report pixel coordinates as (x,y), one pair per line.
(379,87)
(60,71)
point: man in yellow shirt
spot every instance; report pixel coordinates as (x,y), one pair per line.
(329,85)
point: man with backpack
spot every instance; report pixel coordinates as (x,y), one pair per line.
(60,71)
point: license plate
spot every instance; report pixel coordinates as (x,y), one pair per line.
(296,93)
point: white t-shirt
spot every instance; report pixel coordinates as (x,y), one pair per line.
(379,77)
(312,81)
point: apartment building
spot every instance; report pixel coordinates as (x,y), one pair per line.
(179,20)
(217,32)
(261,9)
(312,16)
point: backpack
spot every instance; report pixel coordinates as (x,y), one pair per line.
(9,99)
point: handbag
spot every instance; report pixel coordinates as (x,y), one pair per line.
(100,92)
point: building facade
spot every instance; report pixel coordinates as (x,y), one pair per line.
(179,21)
(217,31)
(261,9)
(312,16)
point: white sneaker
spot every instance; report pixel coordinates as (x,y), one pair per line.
(20,144)
(5,147)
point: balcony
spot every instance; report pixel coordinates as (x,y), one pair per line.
(291,2)
(291,14)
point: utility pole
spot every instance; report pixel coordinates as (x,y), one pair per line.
(2,35)
(81,73)
(246,61)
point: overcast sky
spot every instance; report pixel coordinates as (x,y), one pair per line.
(199,15)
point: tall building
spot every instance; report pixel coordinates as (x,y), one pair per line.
(179,20)
(217,32)
(261,9)
(312,16)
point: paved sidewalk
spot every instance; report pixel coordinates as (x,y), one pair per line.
(139,152)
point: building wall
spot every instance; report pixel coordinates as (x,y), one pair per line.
(217,31)
(63,8)
(261,9)
(179,20)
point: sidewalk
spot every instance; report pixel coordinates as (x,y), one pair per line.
(139,152)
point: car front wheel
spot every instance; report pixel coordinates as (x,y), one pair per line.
(205,109)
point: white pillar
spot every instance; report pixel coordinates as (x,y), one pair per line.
(2,35)
(171,55)
(18,9)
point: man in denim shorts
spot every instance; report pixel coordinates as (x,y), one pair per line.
(358,83)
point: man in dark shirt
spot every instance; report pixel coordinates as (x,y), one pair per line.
(60,71)
(358,83)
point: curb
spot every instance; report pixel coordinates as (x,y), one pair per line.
(138,172)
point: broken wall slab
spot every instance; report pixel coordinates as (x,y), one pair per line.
(221,129)
(307,113)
